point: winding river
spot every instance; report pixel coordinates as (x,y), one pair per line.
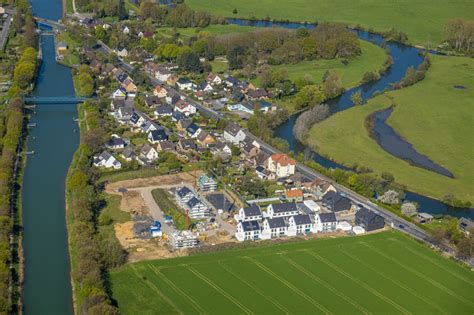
(404,56)
(47,285)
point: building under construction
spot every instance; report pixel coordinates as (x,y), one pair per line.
(182,239)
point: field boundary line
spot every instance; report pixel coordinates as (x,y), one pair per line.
(434,262)
(177,289)
(155,288)
(433,282)
(260,292)
(327,286)
(408,289)
(289,285)
(361,283)
(219,289)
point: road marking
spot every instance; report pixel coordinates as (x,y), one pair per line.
(260,292)
(362,284)
(289,285)
(408,289)
(327,285)
(177,289)
(219,289)
(434,262)
(433,282)
(155,288)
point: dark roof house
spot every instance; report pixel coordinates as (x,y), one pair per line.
(369,220)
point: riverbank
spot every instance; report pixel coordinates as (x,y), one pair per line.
(424,119)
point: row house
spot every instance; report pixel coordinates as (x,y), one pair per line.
(248,231)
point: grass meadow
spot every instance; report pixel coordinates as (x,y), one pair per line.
(380,273)
(433,115)
(421,20)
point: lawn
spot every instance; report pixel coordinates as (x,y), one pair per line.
(371,59)
(432,115)
(332,276)
(421,20)
(169,207)
(215,29)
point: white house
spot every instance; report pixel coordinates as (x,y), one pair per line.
(282,165)
(284,209)
(149,126)
(126,30)
(185,84)
(107,160)
(248,231)
(185,107)
(300,224)
(250,213)
(149,153)
(214,79)
(137,120)
(119,93)
(233,133)
(221,148)
(162,74)
(193,130)
(242,107)
(204,87)
(276,227)
(325,222)
(197,209)
(115,143)
(121,52)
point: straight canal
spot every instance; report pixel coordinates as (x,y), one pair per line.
(47,285)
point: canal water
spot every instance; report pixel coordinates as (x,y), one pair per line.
(404,56)
(47,285)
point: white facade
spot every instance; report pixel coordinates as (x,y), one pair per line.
(324,225)
(235,139)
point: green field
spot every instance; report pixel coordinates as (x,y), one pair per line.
(215,29)
(432,115)
(422,20)
(381,273)
(372,59)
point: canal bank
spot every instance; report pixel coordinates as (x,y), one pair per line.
(47,285)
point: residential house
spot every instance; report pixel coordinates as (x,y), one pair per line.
(172,98)
(466,226)
(130,87)
(178,116)
(261,158)
(274,227)
(119,93)
(115,143)
(186,145)
(221,148)
(193,130)
(282,165)
(151,101)
(124,114)
(156,136)
(230,82)
(197,209)
(325,222)
(205,87)
(241,107)
(262,172)
(182,124)
(248,231)
(172,79)
(149,153)
(121,52)
(117,103)
(264,106)
(183,195)
(257,94)
(128,154)
(319,188)
(125,30)
(250,213)
(106,160)
(165,146)
(162,74)
(185,84)
(149,126)
(336,202)
(214,79)
(137,119)
(233,133)
(249,151)
(300,224)
(369,220)
(204,138)
(206,183)
(160,91)
(282,209)
(294,195)
(163,111)
(185,107)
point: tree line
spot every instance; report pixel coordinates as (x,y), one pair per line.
(10,136)
(92,255)
(459,34)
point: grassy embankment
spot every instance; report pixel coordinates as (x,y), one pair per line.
(432,115)
(333,276)
(422,21)
(170,208)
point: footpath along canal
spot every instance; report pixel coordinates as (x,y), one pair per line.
(47,285)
